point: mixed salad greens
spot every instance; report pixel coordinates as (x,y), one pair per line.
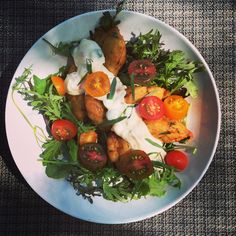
(88,166)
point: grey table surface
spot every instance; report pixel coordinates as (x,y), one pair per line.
(210,209)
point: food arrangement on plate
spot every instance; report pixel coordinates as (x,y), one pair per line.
(116,113)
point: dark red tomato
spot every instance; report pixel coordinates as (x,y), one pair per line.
(177,159)
(151,108)
(135,164)
(92,156)
(142,70)
(63,130)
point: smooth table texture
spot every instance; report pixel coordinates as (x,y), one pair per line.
(210,209)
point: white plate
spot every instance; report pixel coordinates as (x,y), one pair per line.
(204,121)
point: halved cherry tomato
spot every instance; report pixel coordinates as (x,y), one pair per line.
(92,156)
(135,164)
(142,70)
(59,84)
(177,159)
(176,107)
(151,108)
(97,84)
(63,130)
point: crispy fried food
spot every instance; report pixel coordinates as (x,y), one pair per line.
(78,106)
(71,65)
(96,111)
(87,137)
(116,146)
(141,91)
(113,47)
(168,130)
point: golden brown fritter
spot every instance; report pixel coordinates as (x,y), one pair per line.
(142,91)
(168,130)
(77,105)
(113,46)
(96,111)
(116,146)
(88,137)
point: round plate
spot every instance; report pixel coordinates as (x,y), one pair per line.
(204,121)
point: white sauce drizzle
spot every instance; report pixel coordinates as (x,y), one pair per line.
(132,129)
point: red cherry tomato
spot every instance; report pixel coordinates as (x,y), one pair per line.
(151,108)
(63,130)
(142,70)
(177,159)
(135,164)
(92,156)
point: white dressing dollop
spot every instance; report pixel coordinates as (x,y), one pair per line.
(88,50)
(132,129)
(72,84)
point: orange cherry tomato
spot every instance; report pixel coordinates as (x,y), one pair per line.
(59,84)
(97,84)
(176,107)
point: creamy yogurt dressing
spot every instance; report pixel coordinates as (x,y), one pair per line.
(132,129)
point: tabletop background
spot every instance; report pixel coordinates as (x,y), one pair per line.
(210,209)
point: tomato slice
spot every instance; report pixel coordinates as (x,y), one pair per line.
(97,84)
(59,84)
(142,70)
(177,159)
(176,107)
(92,156)
(135,164)
(63,130)
(151,108)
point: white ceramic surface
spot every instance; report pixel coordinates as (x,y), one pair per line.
(204,121)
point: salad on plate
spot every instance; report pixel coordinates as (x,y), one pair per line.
(115,114)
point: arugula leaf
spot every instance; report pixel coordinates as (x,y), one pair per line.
(58,171)
(23,80)
(63,49)
(145,46)
(157,187)
(191,88)
(40,85)
(52,149)
(73,149)
(111,193)
(174,70)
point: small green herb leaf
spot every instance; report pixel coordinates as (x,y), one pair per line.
(132,86)
(154,143)
(111,122)
(52,149)
(40,85)
(113,89)
(73,149)
(89,65)
(58,171)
